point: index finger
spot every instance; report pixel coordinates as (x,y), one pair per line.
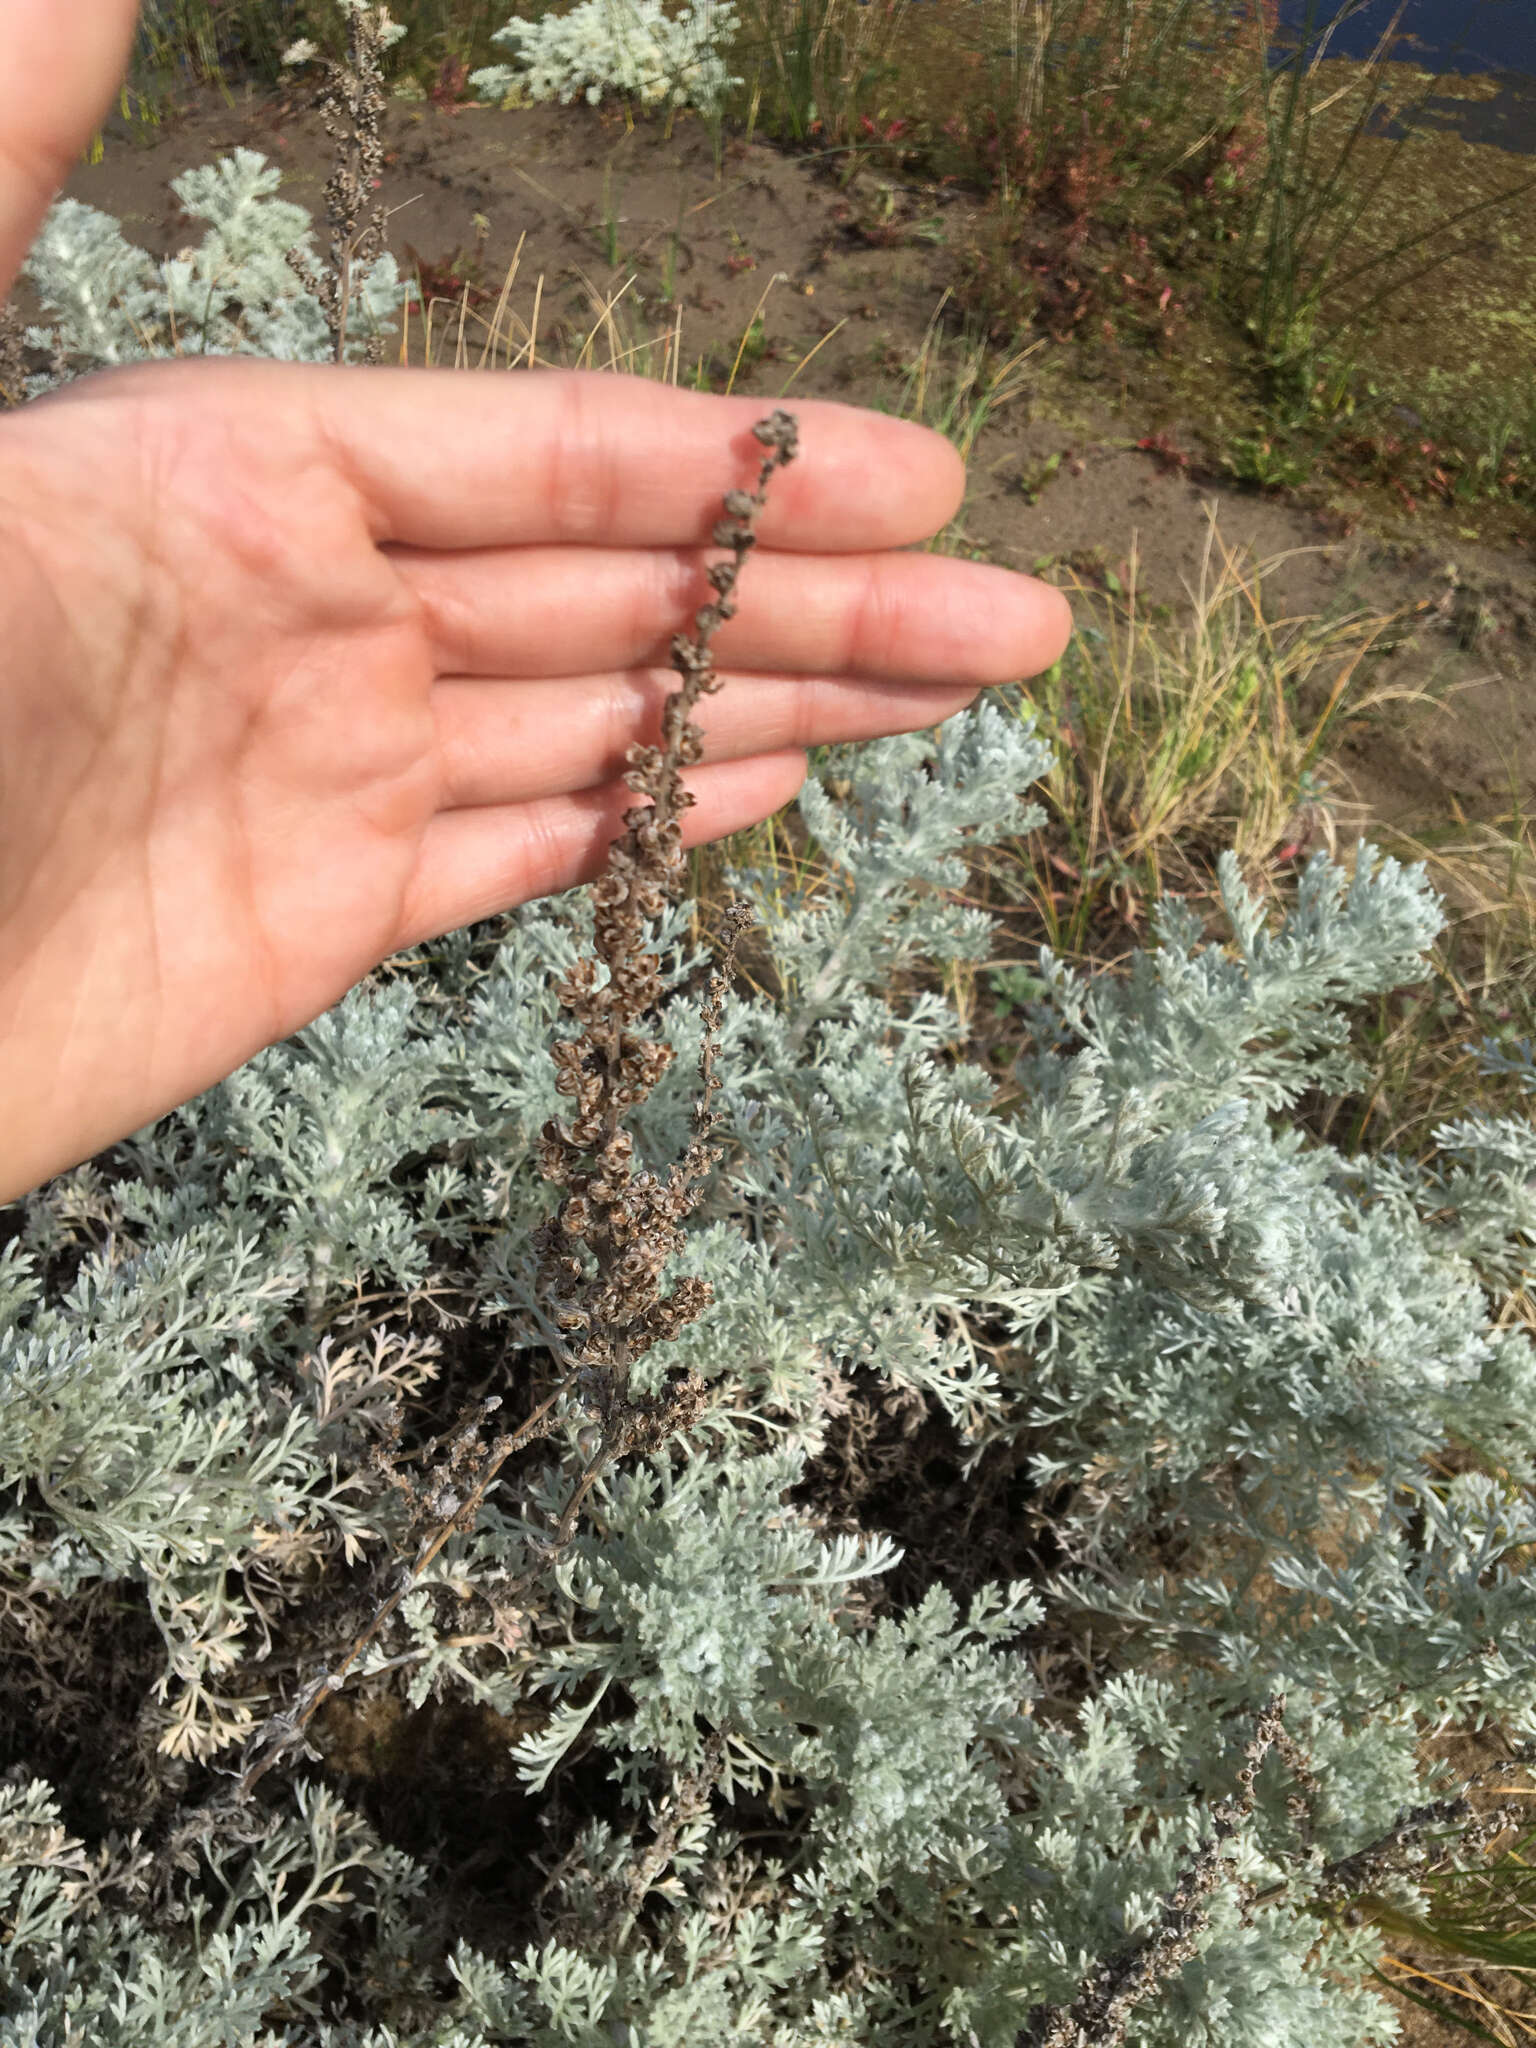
(473,459)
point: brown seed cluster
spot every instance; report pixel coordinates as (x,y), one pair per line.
(602,1253)
(13,362)
(351,100)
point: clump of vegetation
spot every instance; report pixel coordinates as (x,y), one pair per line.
(1168,178)
(1207,1335)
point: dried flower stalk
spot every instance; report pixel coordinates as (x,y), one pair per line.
(1097,2018)
(628,1221)
(1402,1851)
(351,99)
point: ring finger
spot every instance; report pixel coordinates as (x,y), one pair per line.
(508,742)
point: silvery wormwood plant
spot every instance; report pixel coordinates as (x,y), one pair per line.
(627,46)
(1277,1436)
(255,285)
(1205,1328)
(234,294)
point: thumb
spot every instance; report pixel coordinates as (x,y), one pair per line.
(64,60)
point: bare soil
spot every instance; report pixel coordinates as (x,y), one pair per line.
(463,186)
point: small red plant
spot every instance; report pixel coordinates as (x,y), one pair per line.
(886,134)
(1169,455)
(447,91)
(448,278)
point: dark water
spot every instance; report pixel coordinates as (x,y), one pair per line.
(1469,36)
(1472,38)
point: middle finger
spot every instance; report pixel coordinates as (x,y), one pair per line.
(571,611)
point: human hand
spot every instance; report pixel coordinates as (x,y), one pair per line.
(308,664)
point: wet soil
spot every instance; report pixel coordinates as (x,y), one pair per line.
(849,285)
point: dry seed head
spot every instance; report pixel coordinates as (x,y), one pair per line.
(351,99)
(630,1223)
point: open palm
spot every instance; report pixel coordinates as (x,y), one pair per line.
(307,664)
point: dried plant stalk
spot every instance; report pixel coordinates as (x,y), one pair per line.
(626,1221)
(1098,2017)
(629,1222)
(351,99)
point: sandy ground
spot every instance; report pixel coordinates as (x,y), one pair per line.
(463,187)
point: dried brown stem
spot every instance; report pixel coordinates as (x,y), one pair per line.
(351,100)
(630,1221)
(285,1731)
(1097,2018)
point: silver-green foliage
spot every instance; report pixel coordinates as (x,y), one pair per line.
(1217,1331)
(235,293)
(627,46)
(1228,1359)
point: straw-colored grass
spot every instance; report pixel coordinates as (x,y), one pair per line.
(1178,738)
